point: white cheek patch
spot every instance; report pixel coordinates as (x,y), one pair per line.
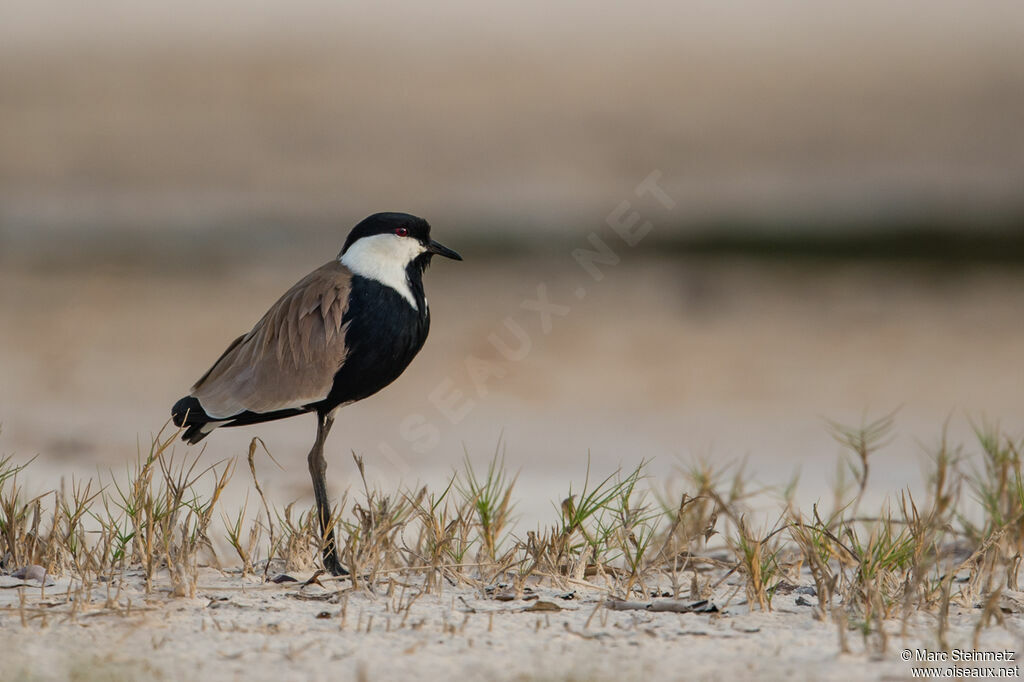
(384,258)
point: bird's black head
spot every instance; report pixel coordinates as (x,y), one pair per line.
(404,237)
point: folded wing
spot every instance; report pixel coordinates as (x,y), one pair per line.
(289,359)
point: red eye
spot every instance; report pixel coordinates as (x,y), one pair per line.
(402,231)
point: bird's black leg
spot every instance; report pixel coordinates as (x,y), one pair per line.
(318,471)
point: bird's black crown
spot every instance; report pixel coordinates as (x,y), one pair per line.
(389,223)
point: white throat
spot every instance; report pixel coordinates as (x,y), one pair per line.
(384,258)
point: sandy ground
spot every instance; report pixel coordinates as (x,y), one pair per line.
(239,629)
(664,360)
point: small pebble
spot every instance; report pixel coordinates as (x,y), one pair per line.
(32,572)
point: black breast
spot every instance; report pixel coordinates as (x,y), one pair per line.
(384,334)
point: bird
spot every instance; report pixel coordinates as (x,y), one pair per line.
(339,335)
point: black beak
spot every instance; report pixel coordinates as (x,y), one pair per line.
(442,250)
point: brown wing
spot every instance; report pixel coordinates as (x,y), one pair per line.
(290,357)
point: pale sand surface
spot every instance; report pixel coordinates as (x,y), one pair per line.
(236,628)
(663,360)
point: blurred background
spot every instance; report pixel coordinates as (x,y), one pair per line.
(843,232)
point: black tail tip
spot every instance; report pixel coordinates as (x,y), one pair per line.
(194,434)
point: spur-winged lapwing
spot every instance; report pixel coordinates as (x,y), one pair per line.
(344,332)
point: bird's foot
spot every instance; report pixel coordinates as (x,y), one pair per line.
(333,564)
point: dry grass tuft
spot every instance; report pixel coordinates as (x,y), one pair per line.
(959,543)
